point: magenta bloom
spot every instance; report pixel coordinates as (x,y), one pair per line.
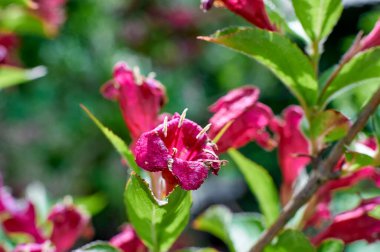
(68,225)
(292,148)
(249,118)
(8,44)
(140,98)
(18,217)
(51,12)
(354,225)
(372,39)
(251,10)
(180,147)
(128,240)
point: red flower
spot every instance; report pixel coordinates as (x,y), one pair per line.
(249,118)
(140,98)
(8,43)
(68,225)
(181,148)
(354,224)
(128,241)
(19,217)
(292,148)
(252,10)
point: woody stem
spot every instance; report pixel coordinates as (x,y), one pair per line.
(319,176)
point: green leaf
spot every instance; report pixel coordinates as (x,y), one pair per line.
(93,204)
(277,53)
(357,160)
(331,245)
(375,213)
(291,241)
(329,125)
(116,141)
(318,17)
(197,250)
(261,185)
(98,246)
(158,226)
(238,231)
(10,76)
(25,3)
(362,69)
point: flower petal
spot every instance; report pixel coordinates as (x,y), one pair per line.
(128,240)
(190,174)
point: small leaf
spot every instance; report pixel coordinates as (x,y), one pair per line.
(362,69)
(291,241)
(98,246)
(357,160)
(331,245)
(375,213)
(158,226)
(277,53)
(116,141)
(238,231)
(261,185)
(329,125)
(318,17)
(10,76)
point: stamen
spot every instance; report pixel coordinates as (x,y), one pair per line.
(165,129)
(203,131)
(175,150)
(182,118)
(151,75)
(138,77)
(68,200)
(210,152)
(170,164)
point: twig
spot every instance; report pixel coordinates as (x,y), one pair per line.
(319,176)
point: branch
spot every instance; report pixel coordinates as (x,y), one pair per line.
(319,176)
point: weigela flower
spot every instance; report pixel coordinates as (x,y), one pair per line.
(179,147)
(128,240)
(372,39)
(248,117)
(69,223)
(51,12)
(293,148)
(8,43)
(140,98)
(252,10)
(354,225)
(19,217)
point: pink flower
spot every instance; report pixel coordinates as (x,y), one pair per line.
(140,98)
(8,44)
(128,241)
(354,224)
(35,247)
(252,10)
(19,217)
(180,147)
(52,12)
(68,225)
(249,118)
(292,148)
(372,39)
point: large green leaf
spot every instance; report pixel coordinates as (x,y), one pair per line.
(10,76)
(158,225)
(238,231)
(277,53)
(116,141)
(261,185)
(363,69)
(291,241)
(98,246)
(331,245)
(318,17)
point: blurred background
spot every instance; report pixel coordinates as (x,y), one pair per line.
(46,137)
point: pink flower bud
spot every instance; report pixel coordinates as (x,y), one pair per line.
(354,225)
(181,147)
(128,241)
(372,39)
(140,98)
(249,118)
(292,148)
(69,223)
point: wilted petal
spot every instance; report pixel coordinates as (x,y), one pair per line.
(18,217)
(68,225)
(354,225)
(128,241)
(292,148)
(190,174)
